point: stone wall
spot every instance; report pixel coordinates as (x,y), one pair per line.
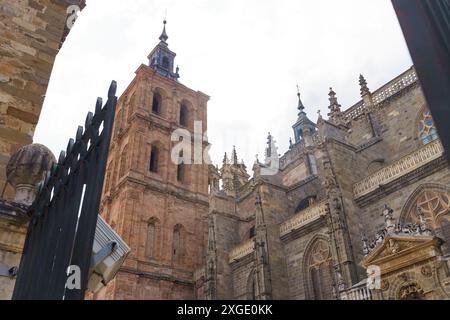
(13,230)
(31,34)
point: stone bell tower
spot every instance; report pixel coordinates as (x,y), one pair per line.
(154,197)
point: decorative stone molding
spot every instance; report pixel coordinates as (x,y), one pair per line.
(407,164)
(304,217)
(242,250)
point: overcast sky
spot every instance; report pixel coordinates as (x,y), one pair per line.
(248,55)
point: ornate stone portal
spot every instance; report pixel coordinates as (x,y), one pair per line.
(410,267)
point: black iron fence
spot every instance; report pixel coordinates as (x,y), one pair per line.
(64,215)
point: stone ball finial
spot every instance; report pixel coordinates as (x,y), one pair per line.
(26,168)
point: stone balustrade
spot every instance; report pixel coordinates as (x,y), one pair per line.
(304,217)
(385,92)
(242,250)
(406,80)
(398,169)
(355,111)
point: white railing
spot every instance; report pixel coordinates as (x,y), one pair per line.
(304,217)
(398,169)
(361,293)
(242,250)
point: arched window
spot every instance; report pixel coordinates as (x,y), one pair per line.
(427,130)
(123,162)
(177,243)
(151,243)
(435,205)
(156,105)
(252,232)
(165,62)
(251,286)
(181,170)
(305,203)
(154,159)
(184,115)
(108,177)
(114,173)
(319,271)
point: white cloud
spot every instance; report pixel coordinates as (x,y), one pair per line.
(247,55)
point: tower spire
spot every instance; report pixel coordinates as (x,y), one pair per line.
(300,106)
(163,37)
(162,59)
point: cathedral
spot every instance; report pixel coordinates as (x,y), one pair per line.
(356,209)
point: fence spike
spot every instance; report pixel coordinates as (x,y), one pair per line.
(112,89)
(62,157)
(70,146)
(79,134)
(88,121)
(98,105)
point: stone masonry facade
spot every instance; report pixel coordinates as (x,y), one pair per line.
(366,189)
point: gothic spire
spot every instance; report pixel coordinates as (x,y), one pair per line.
(334,105)
(234,157)
(225,158)
(335,115)
(163,37)
(363,84)
(269,146)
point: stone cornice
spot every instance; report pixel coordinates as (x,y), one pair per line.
(157,276)
(13,212)
(165,188)
(232,216)
(145,70)
(303,183)
(242,250)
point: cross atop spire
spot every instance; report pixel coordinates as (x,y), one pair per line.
(163,37)
(300,106)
